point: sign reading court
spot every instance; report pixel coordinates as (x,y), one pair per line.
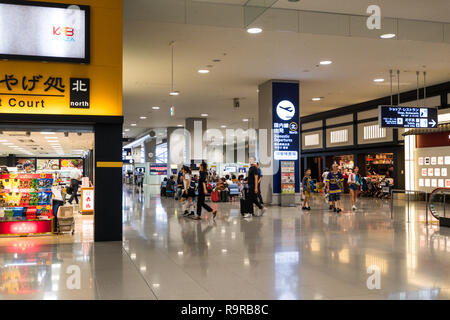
(31,93)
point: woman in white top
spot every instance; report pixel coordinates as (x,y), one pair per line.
(354,182)
(188,193)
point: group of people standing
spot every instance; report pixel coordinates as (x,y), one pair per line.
(333,187)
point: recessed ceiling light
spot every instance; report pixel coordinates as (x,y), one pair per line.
(326,62)
(378,80)
(180,125)
(203,71)
(127,130)
(254,30)
(316,99)
(143,118)
(174,93)
(223,126)
(387,36)
(204,114)
(156,108)
(245,120)
(133,124)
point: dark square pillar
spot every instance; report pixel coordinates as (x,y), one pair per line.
(108,183)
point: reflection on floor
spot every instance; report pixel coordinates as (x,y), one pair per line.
(287,254)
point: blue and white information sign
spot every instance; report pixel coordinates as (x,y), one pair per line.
(407,117)
(285,125)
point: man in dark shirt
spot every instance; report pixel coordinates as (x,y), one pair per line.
(253,178)
(260,177)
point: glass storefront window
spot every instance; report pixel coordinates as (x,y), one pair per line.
(381,164)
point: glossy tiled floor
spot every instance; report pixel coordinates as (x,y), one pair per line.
(287,254)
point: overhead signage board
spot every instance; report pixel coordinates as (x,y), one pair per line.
(285,126)
(407,117)
(44,31)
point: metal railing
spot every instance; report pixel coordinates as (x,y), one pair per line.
(410,195)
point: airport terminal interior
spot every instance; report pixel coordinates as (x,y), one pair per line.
(225,150)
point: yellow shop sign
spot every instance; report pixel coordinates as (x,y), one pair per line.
(37,93)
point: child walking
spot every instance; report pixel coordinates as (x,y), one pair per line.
(306,183)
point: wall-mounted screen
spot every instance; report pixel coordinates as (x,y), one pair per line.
(231,169)
(44,31)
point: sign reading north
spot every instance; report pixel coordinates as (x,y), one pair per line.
(50,32)
(80,93)
(407,117)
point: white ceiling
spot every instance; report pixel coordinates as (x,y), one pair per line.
(430,10)
(249,60)
(37,144)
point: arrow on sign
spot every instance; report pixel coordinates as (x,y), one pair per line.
(433,123)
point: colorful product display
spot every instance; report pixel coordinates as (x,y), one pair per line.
(287,177)
(25,198)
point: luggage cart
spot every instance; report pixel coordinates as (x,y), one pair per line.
(66,220)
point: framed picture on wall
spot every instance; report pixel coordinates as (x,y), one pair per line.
(437,172)
(440,160)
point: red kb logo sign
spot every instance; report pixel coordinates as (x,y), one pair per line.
(67,33)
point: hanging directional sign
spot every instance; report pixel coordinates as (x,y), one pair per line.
(407,117)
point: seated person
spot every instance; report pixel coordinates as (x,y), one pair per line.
(163,187)
(170,186)
(228,180)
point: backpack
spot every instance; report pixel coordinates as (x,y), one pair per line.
(192,186)
(311,185)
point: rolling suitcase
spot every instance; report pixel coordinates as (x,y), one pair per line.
(246,205)
(224,196)
(215,196)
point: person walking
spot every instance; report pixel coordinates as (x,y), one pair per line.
(202,192)
(180,185)
(306,184)
(354,183)
(188,193)
(334,187)
(140,181)
(324,178)
(57,202)
(75,177)
(253,186)
(260,177)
